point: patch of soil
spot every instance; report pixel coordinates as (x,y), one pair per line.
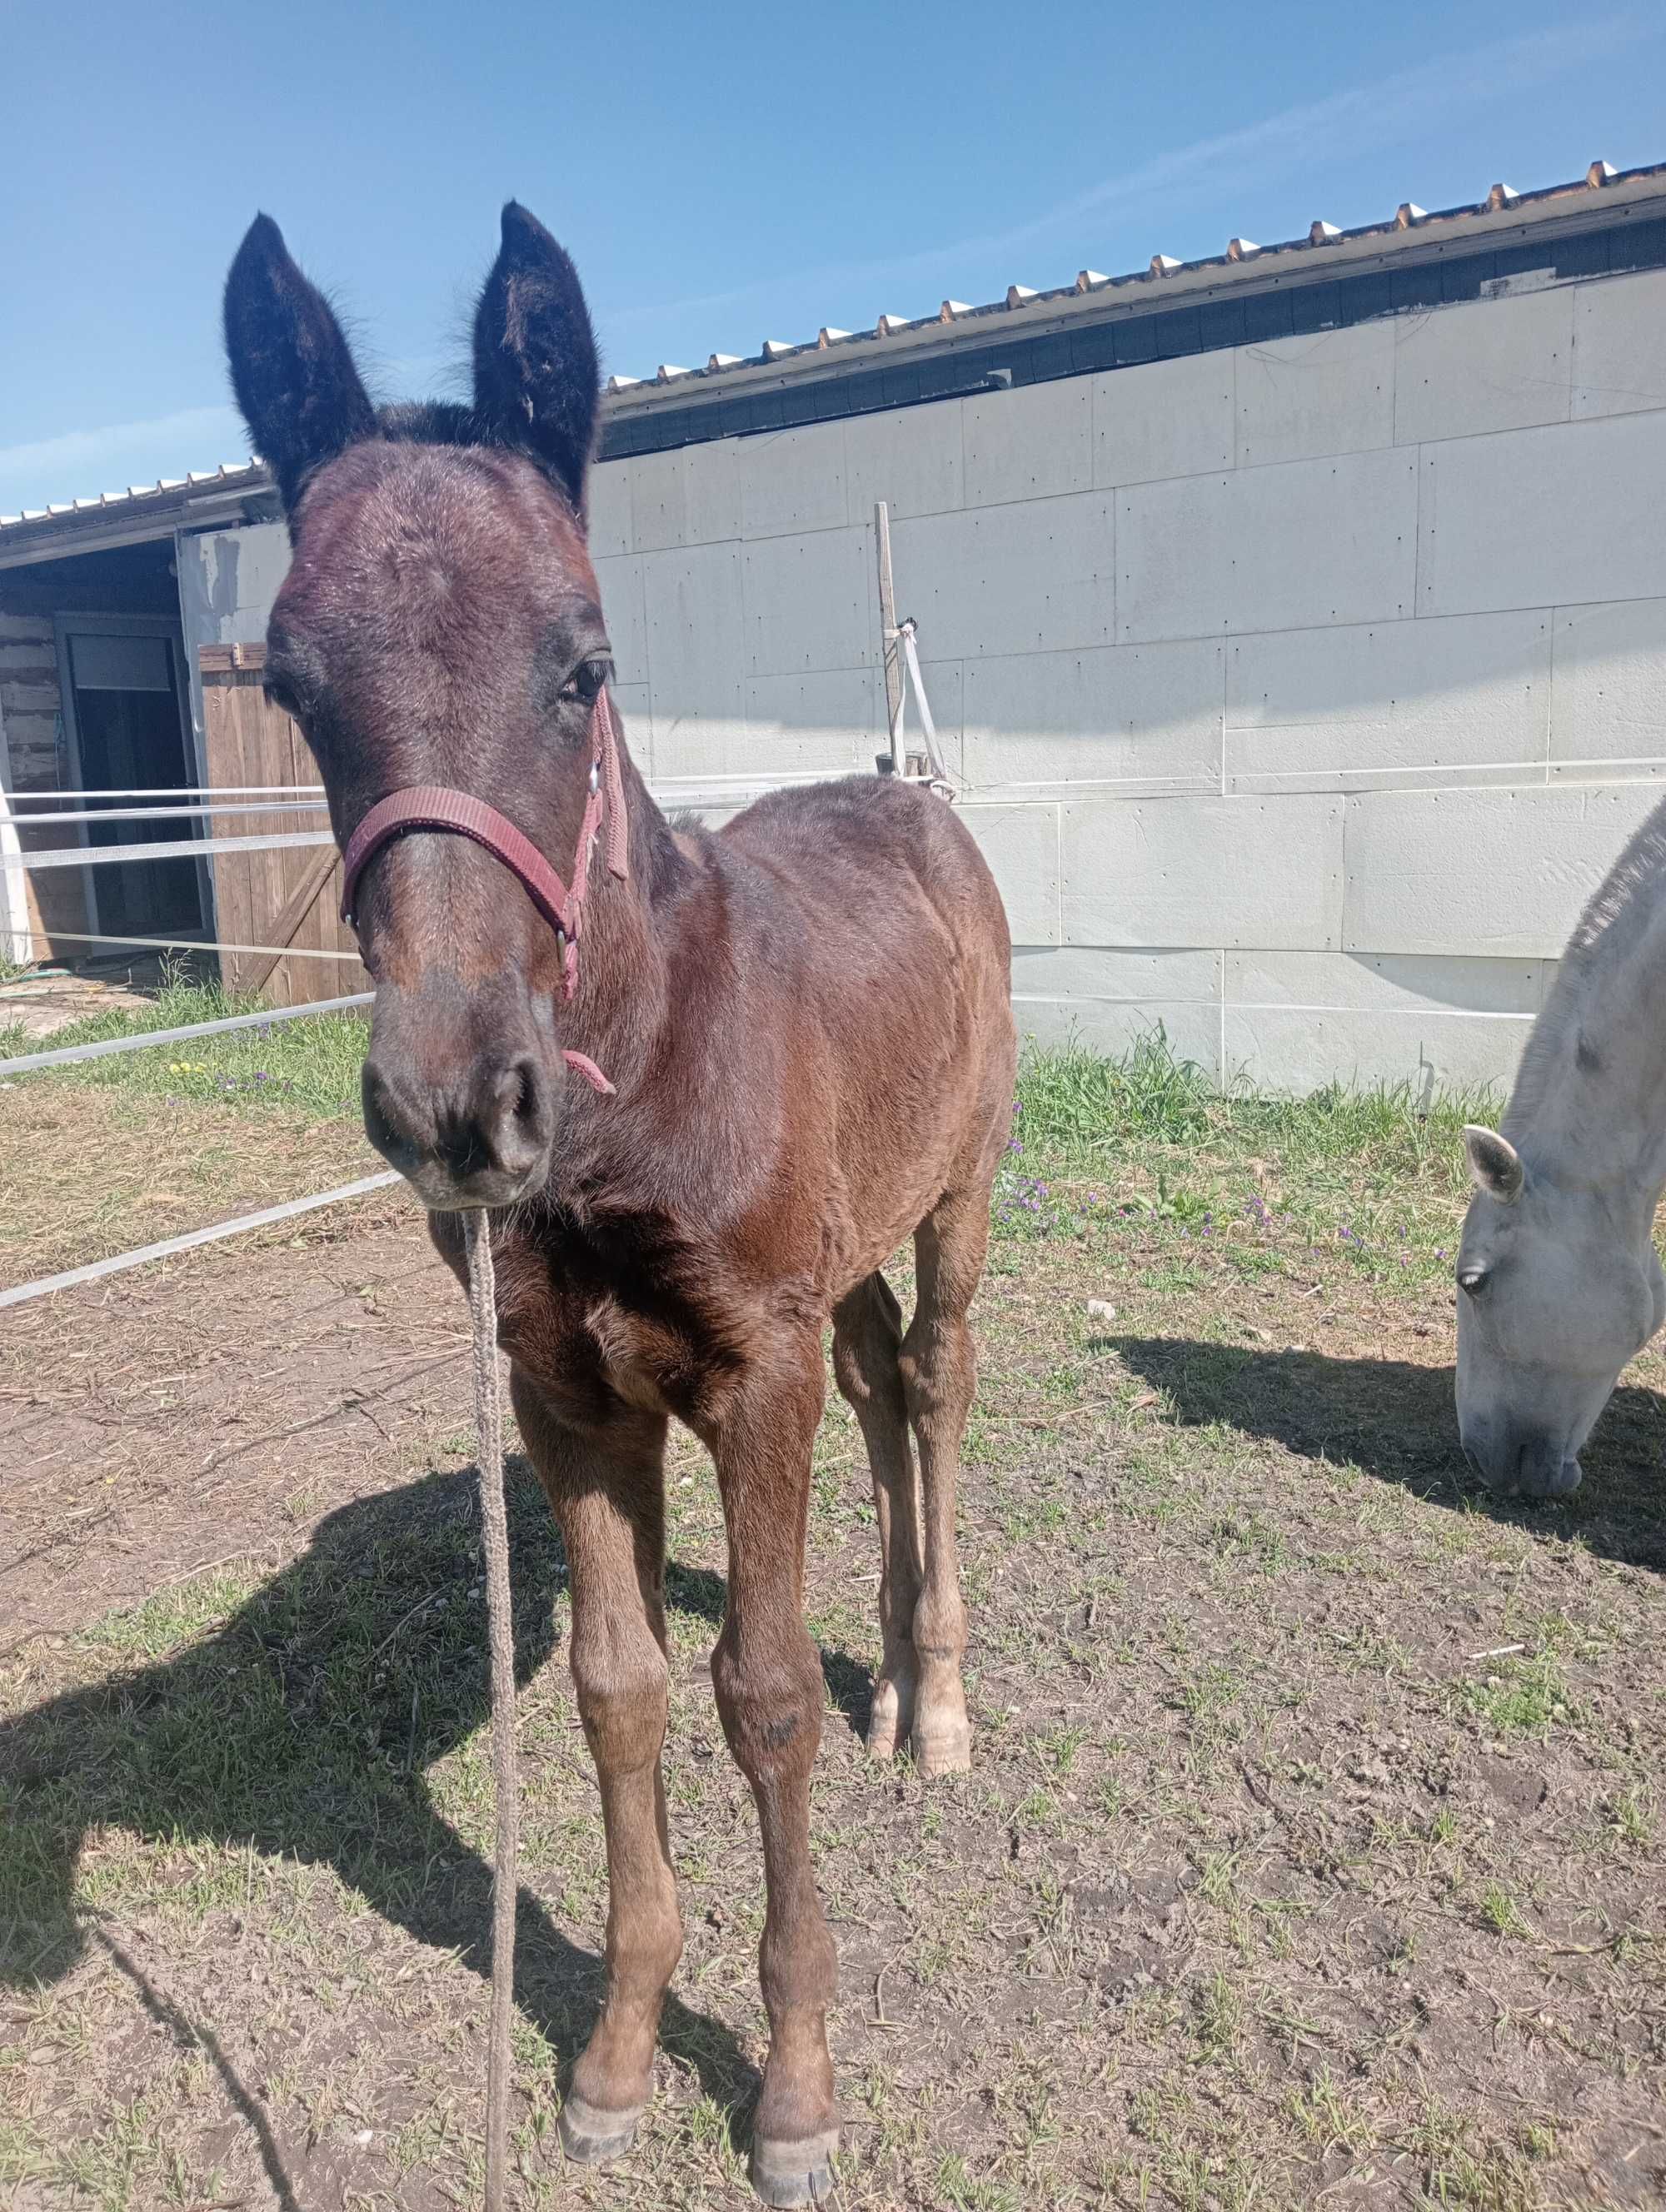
(215,1406)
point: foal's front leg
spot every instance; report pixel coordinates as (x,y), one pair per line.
(608,1490)
(769,1684)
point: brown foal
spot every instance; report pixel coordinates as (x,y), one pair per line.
(805,1023)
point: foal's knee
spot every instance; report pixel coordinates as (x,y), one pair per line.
(865,1354)
(769,1701)
(622,1686)
(939,1370)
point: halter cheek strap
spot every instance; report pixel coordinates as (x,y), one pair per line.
(437,806)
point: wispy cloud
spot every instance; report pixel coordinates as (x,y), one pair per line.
(1359,120)
(81,464)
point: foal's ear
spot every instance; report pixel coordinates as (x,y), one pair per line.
(537,382)
(1494,1162)
(290,366)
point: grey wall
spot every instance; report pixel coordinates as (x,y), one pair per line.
(1300,693)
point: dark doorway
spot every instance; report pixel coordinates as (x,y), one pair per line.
(123,703)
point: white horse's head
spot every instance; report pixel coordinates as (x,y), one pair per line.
(1556,1292)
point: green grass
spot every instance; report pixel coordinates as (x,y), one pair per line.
(308,1067)
(1088,1110)
(1148,1145)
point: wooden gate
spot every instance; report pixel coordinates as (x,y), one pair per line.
(287,899)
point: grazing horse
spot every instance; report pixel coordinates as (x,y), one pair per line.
(707,1086)
(1559,1281)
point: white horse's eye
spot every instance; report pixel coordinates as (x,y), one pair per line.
(1474,1280)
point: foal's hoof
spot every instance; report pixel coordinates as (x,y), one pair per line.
(889,1719)
(590,2136)
(945,1748)
(795,2173)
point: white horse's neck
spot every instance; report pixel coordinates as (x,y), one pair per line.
(1589,1102)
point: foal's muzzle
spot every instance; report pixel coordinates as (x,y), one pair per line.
(467,1122)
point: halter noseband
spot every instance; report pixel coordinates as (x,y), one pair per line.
(436,806)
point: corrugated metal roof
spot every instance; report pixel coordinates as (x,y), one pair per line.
(233,475)
(1317,252)
(1322,251)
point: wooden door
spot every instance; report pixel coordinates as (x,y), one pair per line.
(284,903)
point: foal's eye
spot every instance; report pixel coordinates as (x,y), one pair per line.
(586,682)
(1474,1280)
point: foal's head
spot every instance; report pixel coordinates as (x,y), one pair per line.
(441,625)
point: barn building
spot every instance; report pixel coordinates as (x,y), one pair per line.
(1294,623)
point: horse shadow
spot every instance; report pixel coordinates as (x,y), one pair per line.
(303,1729)
(1395,1418)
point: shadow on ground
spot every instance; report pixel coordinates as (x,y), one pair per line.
(1394,1419)
(303,1727)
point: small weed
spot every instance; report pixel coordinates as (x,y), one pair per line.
(1526,1697)
(1499,1909)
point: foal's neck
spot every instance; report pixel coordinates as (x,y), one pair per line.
(624,973)
(1589,1102)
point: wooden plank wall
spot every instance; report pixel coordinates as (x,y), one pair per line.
(249,740)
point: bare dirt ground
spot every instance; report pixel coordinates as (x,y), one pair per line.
(1313,1852)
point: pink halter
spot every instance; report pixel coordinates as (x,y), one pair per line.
(436,806)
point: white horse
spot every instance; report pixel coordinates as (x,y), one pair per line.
(1558,1282)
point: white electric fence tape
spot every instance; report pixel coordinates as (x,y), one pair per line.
(63,1055)
(72,1278)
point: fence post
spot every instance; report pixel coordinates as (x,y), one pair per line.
(888,639)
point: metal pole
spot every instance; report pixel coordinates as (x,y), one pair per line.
(888,632)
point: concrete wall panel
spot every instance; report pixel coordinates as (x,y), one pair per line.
(1114,1027)
(809,602)
(1132,711)
(1385,982)
(1202,872)
(1330,393)
(1295,1050)
(1139,976)
(1284,548)
(1619,345)
(1167,418)
(911,457)
(1396,695)
(697,655)
(1501,874)
(1032,577)
(625,612)
(1021,844)
(1608,695)
(1029,444)
(832,719)
(689,497)
(791,481)
(634,706)
(609,503)
(1497,365)
(1564,515)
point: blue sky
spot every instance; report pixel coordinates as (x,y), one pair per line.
(721,176)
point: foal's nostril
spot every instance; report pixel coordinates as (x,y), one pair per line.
(386,1124)
(518,1121)
(529,1103)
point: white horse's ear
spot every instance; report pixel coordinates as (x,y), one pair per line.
(1494,1162)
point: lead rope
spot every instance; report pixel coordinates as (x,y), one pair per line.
(495,1536)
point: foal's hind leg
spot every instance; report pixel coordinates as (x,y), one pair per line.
(867,1336)
(939,1374)
(608,1492)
